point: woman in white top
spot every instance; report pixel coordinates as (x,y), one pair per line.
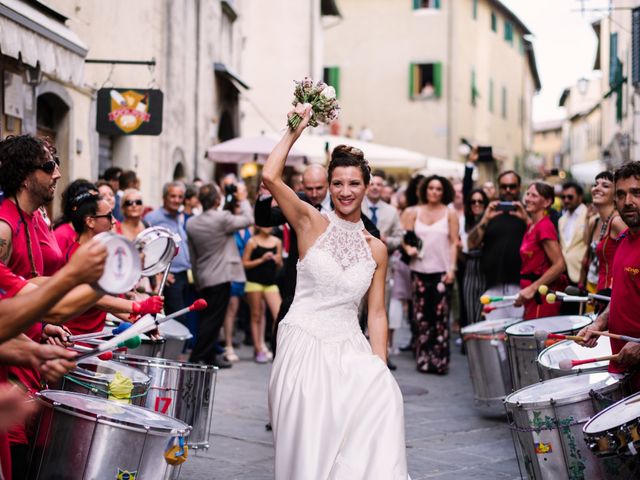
(432,270)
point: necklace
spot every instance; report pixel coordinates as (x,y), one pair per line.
(603,227)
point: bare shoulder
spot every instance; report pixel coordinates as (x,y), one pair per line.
(378,249)
(5,241)
(617,226)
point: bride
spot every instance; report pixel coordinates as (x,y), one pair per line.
(336,410)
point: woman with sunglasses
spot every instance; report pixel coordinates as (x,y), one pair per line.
(132,208)
(108,195)
(600,235)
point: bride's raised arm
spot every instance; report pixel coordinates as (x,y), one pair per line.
(300,215)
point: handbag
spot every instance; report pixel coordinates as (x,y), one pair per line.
(411,239)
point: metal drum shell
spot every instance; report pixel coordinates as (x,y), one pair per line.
(78,444)
(524,349)
(176,336)
(547,452)
(149,348)
(549,369)
(94,380)
(488,361)
(182,390)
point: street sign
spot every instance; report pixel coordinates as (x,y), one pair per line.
(129,111)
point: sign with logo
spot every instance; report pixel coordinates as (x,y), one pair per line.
(129,111)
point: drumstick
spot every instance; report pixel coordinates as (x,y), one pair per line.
(145,324)
(563,297)
(542,335)
(491,308)
(103,356)
(486,300)
(85,336)
(567,364)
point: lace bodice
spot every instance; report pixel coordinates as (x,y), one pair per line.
(332,278)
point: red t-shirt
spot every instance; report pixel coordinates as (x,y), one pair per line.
(625,293)
(65,236)
(535,263)
(90,321)
(606,251)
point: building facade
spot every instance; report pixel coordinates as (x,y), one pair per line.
(435,72)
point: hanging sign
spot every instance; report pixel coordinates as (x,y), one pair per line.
(129,111)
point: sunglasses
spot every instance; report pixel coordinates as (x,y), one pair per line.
(49,166)
(106,215)
(508,186)
(476,202)
(131,203)
(567,197)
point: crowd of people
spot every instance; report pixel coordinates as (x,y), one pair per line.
(448,242)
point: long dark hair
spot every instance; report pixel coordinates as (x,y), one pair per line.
(74,189)
(412,191)
(470,219)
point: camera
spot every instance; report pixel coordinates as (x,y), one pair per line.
(505,207)
(485,154)
(230,201)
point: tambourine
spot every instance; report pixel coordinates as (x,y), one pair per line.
(122,267)
(159,245)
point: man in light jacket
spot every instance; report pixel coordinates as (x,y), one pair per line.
(216,263)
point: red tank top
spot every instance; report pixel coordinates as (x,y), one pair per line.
(606,251)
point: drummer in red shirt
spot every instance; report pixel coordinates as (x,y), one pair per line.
(540,252)
(621,316)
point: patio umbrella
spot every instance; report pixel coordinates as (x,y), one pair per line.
(250,149)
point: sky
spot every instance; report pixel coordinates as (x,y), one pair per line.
(564,43)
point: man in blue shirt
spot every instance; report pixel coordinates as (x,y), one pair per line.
(177,290)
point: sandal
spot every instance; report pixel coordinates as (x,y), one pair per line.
(230,355)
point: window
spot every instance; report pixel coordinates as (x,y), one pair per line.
(474,88)
(425,80)
(331,76)
(508,32)
(613,59)
(491,95)
(494,22)
(504,102)
(475,9)
(419,4)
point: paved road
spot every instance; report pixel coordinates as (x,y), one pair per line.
(447,438)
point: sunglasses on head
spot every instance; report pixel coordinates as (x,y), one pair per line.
(508,186)
(48,166)
(131,203)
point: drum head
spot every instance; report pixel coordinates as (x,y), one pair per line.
(490,326)
(563,389)
(625,411)
(112,411)
(174,330)
(95,369)
(560,324)
(551,356)
(158,245)
(122,268)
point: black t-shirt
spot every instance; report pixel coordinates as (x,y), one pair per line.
(501,250)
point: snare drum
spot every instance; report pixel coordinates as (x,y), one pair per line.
(182,390)
(82,437)
(122,267)
(488,361)
(176,336)
(159,246)
(524,349)
(550,358)
(94,376)
(149,347)
(546,421)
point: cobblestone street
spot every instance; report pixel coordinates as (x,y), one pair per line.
(447,438)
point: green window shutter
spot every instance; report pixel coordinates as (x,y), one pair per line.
(494,22)
(504,102)
(436,4)
(474,90)
(412,80)
(416,4)
(475,9)
(437,79)
(491,95)
(334,79)
(613,58)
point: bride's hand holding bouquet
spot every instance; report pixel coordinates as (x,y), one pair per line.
(320,98)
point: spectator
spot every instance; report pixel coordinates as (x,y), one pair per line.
(474,280)
(490,190)
(127,179)
(109,196)
(191,202)
(540,253)
(365,134)
(433,266)
(177,289)
(217,263)
(132,207)
(261,259)
(112,175)
(571,227)
(499,234)
(387,193)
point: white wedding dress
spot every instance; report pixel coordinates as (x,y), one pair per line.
(336,410)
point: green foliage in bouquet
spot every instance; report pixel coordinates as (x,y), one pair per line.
(321,97)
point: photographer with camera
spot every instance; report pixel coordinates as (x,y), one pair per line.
(499,234)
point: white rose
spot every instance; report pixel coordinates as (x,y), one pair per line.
(329,93)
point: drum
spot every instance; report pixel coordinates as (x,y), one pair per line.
(122,267)
(613,435)
(176,336)
(523,348)
(550,357)
(82,437)
(181,390)
(159,246)
(95,377)
(546,420)
(149,347)
(488,361)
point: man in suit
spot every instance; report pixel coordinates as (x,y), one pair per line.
(316,192)
(386,219)
(216,263)
(571,228)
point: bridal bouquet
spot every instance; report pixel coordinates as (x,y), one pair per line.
(322,97)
